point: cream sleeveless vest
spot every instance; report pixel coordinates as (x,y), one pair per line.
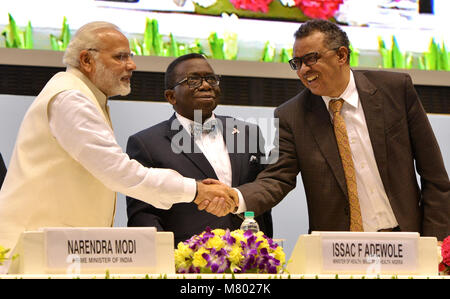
(44,186)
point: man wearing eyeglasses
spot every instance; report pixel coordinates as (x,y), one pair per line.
(198,144)
(357,138)
(66,165)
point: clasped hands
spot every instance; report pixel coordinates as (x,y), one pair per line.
(216,198)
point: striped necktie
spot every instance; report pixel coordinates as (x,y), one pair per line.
(340,132)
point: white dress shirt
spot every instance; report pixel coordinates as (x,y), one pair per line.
(376,210)
(81,130)
(215,150)
(213,147)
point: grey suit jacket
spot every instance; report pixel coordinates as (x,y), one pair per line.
(402,140)
(168,145)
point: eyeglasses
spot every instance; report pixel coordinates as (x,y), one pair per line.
(121,56)
(197,81)
(308,59)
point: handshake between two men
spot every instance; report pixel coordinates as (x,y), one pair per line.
(216,198)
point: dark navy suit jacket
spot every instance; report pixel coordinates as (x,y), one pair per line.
(168,145)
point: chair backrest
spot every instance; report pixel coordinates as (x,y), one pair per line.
(2,170)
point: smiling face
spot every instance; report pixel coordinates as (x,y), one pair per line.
(109,66)
(186,100)
(329,76)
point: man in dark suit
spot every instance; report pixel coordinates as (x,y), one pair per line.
(2,170)
(388,133)
(223,153)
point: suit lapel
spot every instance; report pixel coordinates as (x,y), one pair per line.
(320,125)
(235,158)
(182,142)
(372,104)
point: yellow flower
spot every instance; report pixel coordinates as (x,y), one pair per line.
(199,261)
(215,242)
(280,255)
(184,249)
(238,235)
(235,254)
(218,232)
(182,254)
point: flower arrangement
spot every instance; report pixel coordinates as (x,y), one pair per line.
(225,251)
(444,265)
(321,9)
(254,5)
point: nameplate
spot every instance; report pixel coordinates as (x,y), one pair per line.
(90,250)
(370,253)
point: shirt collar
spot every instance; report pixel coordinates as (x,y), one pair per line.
(187,123)
(99,95)
(350,94)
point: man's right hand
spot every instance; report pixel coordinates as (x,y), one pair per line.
(216,197)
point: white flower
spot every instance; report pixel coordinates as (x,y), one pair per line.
(289,3)
(204,3)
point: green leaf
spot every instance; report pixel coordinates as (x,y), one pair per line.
(386,55)
(354,56)
(182,49)
(398,59)
(148,38)
(158,44)
(230,45)
(16,34)
(422,63)
(28,36)
(444,58)
(409,61)
(54,43)
(432,56)
(216,45)
(136,46)
(196,47)
(268,52)
(173,46)
(381,44)
(65,34)
(6,33)
(285,56)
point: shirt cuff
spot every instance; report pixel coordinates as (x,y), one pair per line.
(190,190)
(242,206)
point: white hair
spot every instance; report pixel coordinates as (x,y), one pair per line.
(85,38)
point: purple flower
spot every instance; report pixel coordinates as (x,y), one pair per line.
(267,263)
(217,260)
(253,258)
(229,238)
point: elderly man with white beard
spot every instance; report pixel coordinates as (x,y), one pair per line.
(66,164)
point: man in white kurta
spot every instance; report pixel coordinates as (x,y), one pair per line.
(66,164)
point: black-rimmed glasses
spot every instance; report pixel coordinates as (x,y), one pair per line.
(308,59)
(197,81)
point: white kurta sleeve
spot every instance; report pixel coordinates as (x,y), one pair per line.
(81,130)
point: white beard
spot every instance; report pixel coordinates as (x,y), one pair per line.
(109,83)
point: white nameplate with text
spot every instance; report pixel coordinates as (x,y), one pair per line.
(88,250)
(369,253)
